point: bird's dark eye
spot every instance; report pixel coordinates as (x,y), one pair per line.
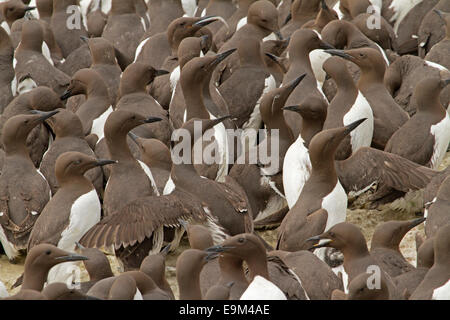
(241,240)
(48,252)
(331,234)
(27,121)
(362,55)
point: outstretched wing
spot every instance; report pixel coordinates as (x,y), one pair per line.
(140,218)
(369,165)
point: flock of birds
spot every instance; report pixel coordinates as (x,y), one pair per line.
(94,91)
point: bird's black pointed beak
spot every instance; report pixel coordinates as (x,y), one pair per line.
(84,39)
(221,56)
(29,8)
(325,242)
(152,120)
(134,138)
(339,53)
(296,82)
(416,222)
(104,162)
(288,18)
(278,35)
(219,249)
(326,46)
(211,256)
(66,95)
(354,125)
(44,115)
(292,108)
(71,257)
(206,20)
(161,73)
(439,13)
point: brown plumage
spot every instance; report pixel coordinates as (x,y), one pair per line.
(6,69)
(30,59)
(133,97)
(385,246)
(403,75)
(124,29)
(89,83)
(67,39)
(68,137)
(41,98)
(24,192)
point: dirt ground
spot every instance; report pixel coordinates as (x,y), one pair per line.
(358,213)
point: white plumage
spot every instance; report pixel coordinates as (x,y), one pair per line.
(262,289)
(361,136)
(441,132)
(296,170)
(442,293)
(149,174)
(98,125)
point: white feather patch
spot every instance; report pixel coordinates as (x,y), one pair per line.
(296,170)
(336,205)
(170,186)
(84,214)
(5,26)
(139,48)
(9,248)
(149,174)
(361,136)
(442,293)
(441,133)
(317,58)
(262,289)
(46,53)
(189,7)
(98,125)
(435,65)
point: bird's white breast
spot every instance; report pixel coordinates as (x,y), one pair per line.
(138,295)
(149,174)
(262,289)
(296,171)
(9,248)
(361,136)
(84,214)
(336,205)
(442,293)
(98,125)
(241,23)
(189,7)
(441,133)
